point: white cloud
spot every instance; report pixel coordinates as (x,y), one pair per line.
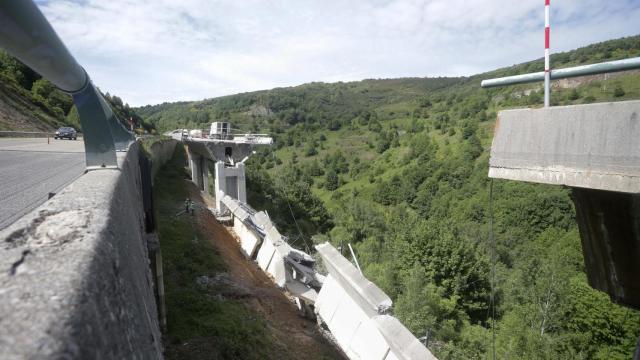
(167,50)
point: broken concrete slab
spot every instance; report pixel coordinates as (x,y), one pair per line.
(371,298)
(299,289)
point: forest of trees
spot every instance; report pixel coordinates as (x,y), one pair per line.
(398,168)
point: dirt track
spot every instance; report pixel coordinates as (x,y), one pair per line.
(299,336)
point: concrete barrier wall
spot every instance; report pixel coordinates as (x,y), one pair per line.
(75,280)
(160,152)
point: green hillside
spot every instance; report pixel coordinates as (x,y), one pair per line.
(398,168)
(30,103)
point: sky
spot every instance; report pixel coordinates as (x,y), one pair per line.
(149,52)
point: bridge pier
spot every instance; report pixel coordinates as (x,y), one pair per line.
(199,170)
(220,187)
(229,181)
(594,150)
(205,175)
(242,183)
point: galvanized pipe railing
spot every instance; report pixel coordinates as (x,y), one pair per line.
(27,35)
(593,69)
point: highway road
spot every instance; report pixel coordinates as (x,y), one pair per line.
(30,169)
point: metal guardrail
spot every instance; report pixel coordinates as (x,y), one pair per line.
(27,35)
(30,134)
(593,69)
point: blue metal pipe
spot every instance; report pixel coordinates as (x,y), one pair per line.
(592,69)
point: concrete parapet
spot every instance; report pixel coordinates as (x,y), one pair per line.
(75,280)
(159,153)
(590,146)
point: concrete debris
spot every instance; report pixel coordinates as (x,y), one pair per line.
(372,299)
(302,291)
(353,308)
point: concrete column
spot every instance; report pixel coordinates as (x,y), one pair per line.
(197,170)
(205,175)
(220,185)
(195,164)
(201,172)
(242,186)
(192,166)
(609,224)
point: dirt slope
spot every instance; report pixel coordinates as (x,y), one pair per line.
(296,337)
(18,113)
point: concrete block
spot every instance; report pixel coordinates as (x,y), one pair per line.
(230,203)
(277,268)
(265,254)
(248,239)
(352,328)
(241,214)
(344,324)
(368,343)
(590,146)
(329,298)
(370,297)
(273,235)
(296,288)
(262,219)
(360,335)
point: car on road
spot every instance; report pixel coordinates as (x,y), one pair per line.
(66,133)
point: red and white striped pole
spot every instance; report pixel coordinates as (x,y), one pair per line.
(547,67)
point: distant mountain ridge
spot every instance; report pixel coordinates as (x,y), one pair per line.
(366,93)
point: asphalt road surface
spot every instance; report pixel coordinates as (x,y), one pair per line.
(30,169)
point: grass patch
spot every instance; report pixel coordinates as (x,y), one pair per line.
(199,324)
